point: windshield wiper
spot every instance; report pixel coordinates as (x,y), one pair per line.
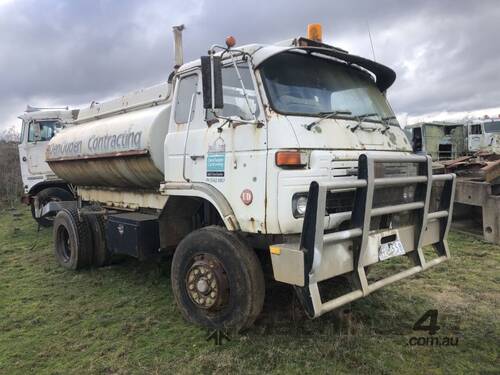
(362,118)
(326,115)
(386,121)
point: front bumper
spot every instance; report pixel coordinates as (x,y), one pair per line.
(319,256)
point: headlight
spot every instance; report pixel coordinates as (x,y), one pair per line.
(299,204)
(409,194)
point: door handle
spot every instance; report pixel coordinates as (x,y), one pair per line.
(194,157)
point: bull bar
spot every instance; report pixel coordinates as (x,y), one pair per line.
(319,256)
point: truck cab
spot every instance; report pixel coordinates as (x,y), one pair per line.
(38,127)
(474,136)
(298,111)
(484,135)
(441,140)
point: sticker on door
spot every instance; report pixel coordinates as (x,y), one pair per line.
(216,161)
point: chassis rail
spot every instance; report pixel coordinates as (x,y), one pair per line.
(315,243)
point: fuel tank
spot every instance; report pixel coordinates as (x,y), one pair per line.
(119,143)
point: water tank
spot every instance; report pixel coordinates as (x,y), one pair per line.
(117,143)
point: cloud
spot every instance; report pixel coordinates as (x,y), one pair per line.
(72,52)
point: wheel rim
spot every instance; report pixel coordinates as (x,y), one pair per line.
(64,245)
(206,283)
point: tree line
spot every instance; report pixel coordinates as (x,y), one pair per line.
(11,186)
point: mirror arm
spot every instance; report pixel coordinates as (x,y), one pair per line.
(242,84)
(211,104)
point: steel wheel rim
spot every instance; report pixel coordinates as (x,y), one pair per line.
(64,244)
(206,283)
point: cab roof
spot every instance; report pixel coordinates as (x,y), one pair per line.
(64,115)
(384,76)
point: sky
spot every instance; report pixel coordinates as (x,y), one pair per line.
(71,52)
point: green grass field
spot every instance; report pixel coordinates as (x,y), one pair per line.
(122,319)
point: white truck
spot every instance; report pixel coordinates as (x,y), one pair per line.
(484,135)
(288,154)
(40,184)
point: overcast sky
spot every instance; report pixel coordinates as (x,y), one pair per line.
(52,52)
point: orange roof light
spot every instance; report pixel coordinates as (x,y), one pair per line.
(314,32)
(230,41)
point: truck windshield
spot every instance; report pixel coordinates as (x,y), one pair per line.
(492,127)
(306,85)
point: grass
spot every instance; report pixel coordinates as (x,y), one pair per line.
(122,319)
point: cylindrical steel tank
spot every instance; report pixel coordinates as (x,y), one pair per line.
(123,148)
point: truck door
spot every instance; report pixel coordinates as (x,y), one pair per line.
(227,155)
(186,118)
(474,137)
(39,135)
(23,155)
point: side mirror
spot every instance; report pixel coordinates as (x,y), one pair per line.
(211,77)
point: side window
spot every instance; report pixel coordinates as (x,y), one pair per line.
(475,129)
(234,100)
(186,88)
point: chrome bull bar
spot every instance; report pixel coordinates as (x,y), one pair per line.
(315,243)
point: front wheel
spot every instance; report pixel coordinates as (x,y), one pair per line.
(217,280)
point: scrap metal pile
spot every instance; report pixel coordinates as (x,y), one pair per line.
(484,166)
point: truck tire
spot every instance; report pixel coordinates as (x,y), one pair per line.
(217,280)
(47,195)
(72,240)
(100,255)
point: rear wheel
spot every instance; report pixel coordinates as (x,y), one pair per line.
(100,255)
(217,280)
(72,240)
(53,194)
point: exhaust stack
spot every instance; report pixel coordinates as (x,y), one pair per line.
(178,53)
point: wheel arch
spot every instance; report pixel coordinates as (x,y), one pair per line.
(208,193)
(181,213)
(35,189)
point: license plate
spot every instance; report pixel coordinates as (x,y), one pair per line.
(390,249)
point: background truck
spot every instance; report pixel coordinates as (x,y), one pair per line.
(442,140)
(484,136)
(471,150)
(477,202)
(287,155)
(40,184)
